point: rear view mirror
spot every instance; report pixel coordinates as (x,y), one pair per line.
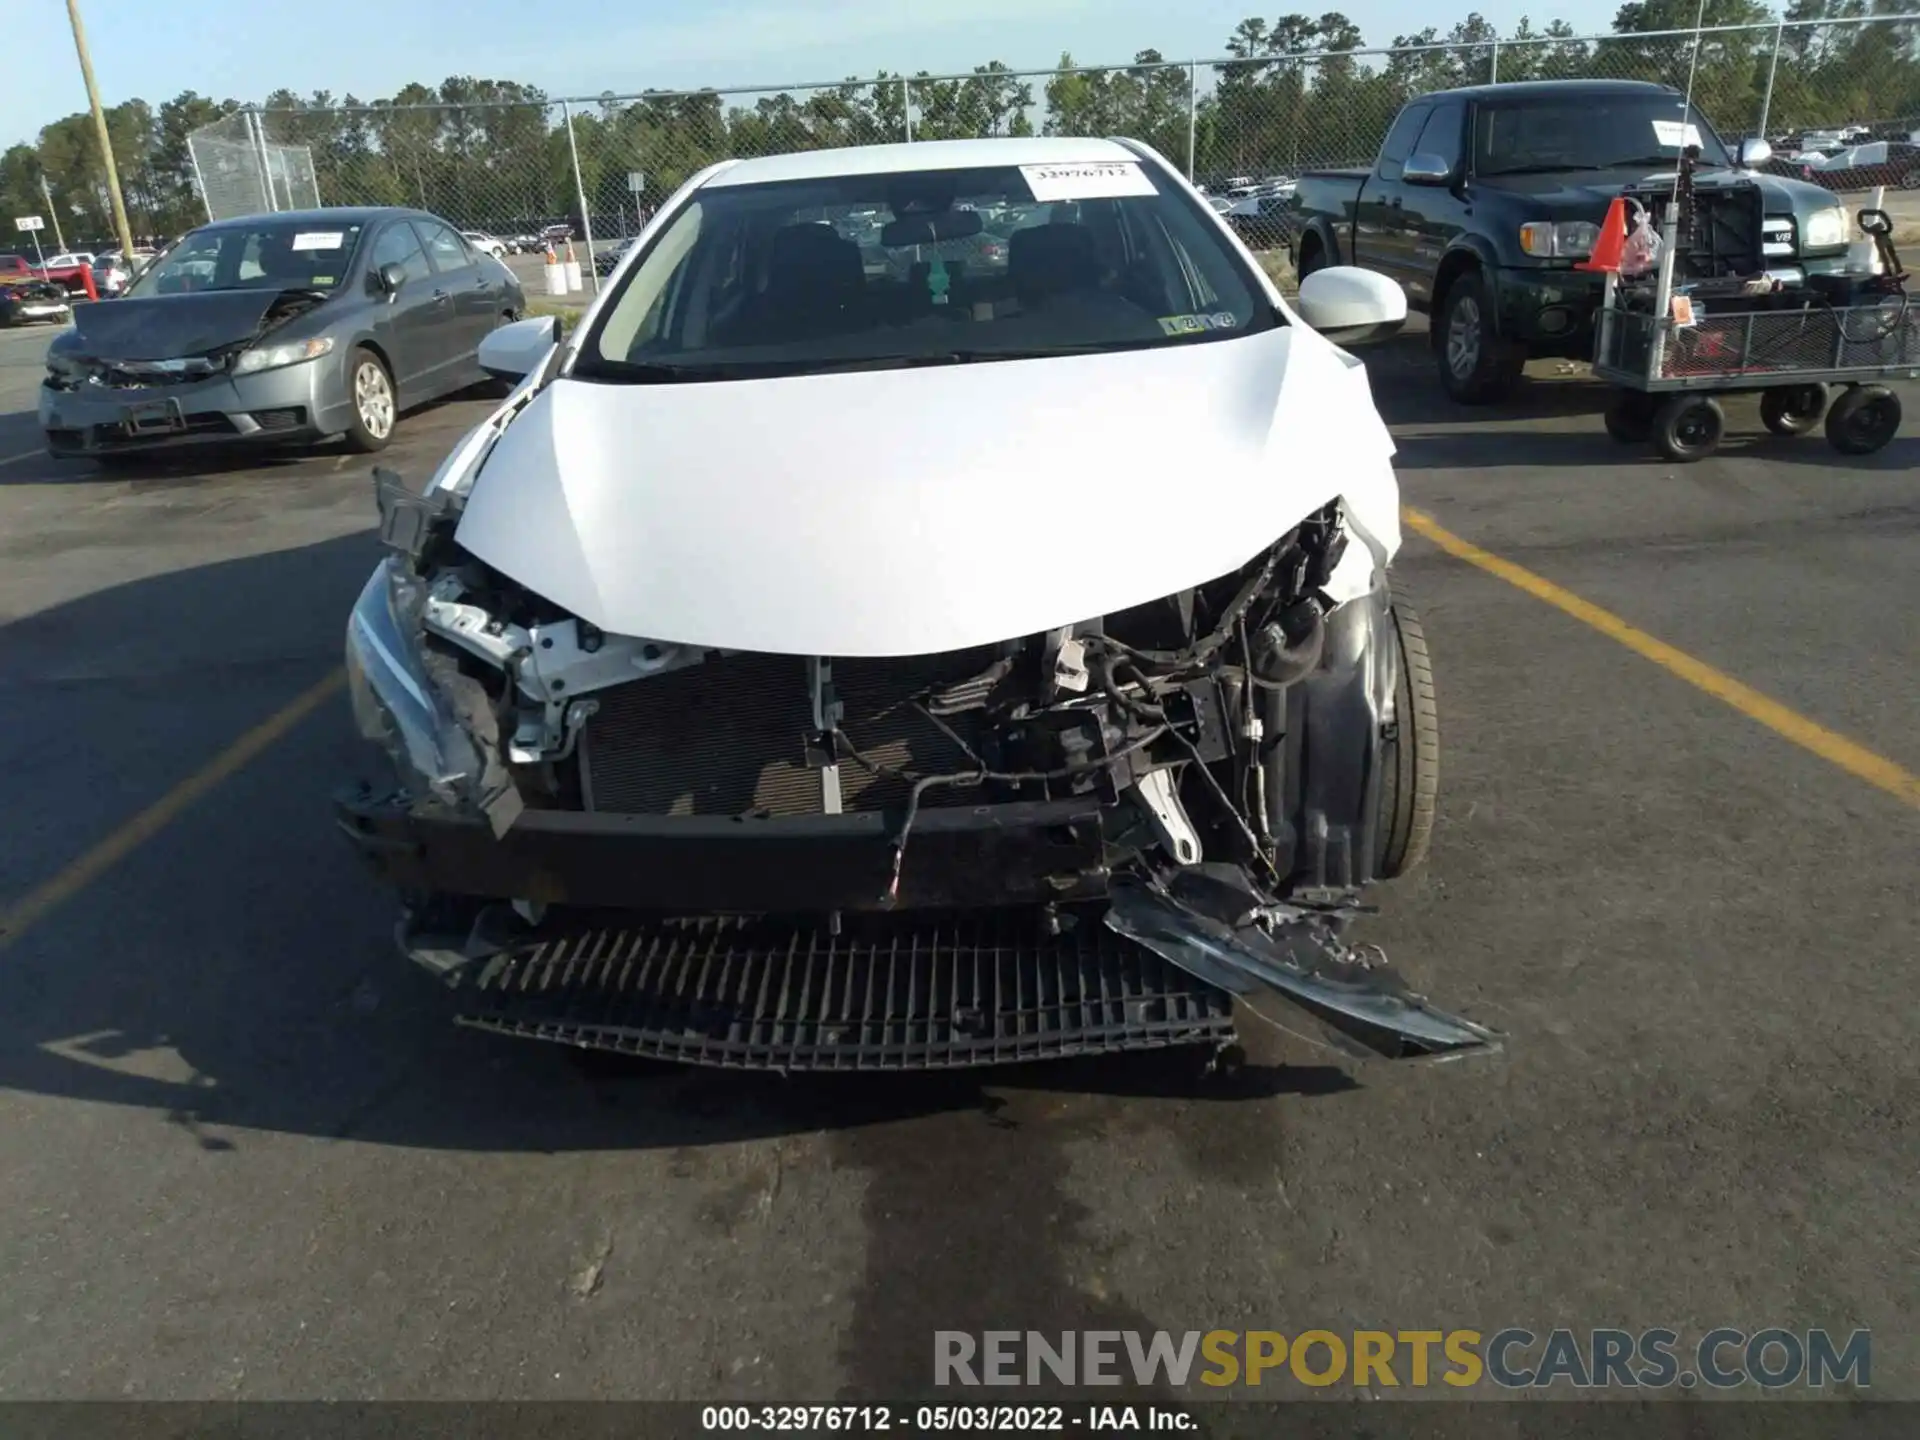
(515,351)
(1351,306)
(1426,169)
(391,278)
(930,229)
(1754,152)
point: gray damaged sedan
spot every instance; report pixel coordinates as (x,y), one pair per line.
(282,328)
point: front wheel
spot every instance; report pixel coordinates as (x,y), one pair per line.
(1477,367)
(1689,427)
(372,405)
(1863,420)
(1410,757)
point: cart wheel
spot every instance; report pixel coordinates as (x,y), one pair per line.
(1792,409)
(1688,427)
(1863,419)
(1629,417)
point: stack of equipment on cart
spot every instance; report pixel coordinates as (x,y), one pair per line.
(1700,310)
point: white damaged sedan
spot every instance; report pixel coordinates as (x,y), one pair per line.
(934,610)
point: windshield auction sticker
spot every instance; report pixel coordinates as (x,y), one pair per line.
(1089,180)
(319,240)
(1673,132)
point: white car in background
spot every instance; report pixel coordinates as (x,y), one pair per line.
(486,244)
(69,259)
(981,631)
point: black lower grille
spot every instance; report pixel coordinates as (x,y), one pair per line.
(890,993)
(728,737)
(290,417)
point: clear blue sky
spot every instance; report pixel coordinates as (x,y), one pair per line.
(243,48)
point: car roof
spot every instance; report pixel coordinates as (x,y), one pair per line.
(1550,89)
(919,155)
(330,215)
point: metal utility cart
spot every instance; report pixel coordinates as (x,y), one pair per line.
(1711,321)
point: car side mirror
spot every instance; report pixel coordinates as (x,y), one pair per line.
(515,351)
(1754,152)
(391,278)
(1351,306)
(1426,168)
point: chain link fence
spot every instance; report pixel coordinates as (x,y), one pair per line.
(241,171)
(601,166)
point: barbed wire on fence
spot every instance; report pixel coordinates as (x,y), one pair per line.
(513,165)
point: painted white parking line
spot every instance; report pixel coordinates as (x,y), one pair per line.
(23,455)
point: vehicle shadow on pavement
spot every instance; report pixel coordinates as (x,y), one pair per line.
(1514,448)
(236,972)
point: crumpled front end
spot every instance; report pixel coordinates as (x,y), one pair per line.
(1086,839)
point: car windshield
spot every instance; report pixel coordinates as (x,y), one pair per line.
(1593,132)
(259,255)
(923,267)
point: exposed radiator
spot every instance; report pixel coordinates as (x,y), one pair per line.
(728,737)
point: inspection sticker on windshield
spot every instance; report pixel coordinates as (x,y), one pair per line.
(1090,180)
(1197,324)
(319,240)
(1672,132)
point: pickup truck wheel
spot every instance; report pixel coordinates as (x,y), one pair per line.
(1314,259)
(1410,761)
(1477,367)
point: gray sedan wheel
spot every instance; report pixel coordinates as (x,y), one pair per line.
(374,407)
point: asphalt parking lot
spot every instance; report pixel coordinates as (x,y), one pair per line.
(242,1155)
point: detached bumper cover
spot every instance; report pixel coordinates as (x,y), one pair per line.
(657,954)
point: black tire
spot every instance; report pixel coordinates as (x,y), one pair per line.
(1863,419)
(1410,768)
(1477,367)
(1314,257)
(367,433)
(1629,417)
(1910,180)
(1688,427)
(1792,409)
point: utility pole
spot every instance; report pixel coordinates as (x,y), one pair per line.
(59,240)
(100,125)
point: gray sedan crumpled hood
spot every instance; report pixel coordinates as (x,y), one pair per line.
(913,511)
(163,327)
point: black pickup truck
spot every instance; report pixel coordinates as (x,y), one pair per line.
(1484,199)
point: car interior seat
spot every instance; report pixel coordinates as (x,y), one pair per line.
(1044,261)
(815,281)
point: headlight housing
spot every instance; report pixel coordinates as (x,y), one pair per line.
(1825,229)
(395,704)
(1559,239)
(272,357)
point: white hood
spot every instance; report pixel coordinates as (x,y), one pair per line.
(903,512)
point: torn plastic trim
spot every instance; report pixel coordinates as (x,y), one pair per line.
(1212,922)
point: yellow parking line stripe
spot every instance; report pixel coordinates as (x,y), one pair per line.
(23,455)
(1835,749)
(78,874)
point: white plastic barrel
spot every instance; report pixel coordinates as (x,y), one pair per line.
(556,278)
(574,282)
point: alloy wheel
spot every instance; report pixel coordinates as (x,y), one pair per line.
(373,398)
(1463,337)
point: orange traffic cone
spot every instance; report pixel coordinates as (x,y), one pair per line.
(1612,242)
